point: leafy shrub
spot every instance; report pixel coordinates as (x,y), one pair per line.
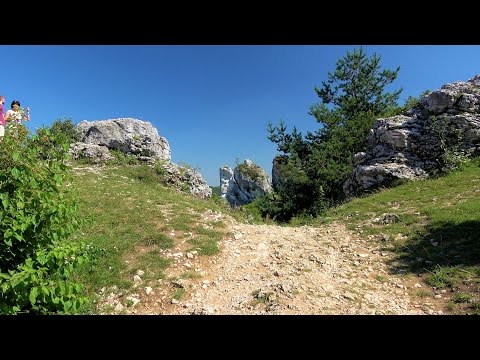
(449,142)
(160,169)
(254,172)
(43,283)
(121,158)
(38,212)
(65,131)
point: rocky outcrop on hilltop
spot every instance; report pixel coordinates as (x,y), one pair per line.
(243,184)
(139,139)
(186,178)
(127,135)
(444,125)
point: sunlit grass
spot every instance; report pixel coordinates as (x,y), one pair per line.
(132,217)
(437,234)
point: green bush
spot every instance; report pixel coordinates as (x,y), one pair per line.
(65,131)
(449,141)
(38,212)
(43,283)
(121,158)
(254,172)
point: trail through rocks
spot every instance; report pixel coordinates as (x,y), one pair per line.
(269,269)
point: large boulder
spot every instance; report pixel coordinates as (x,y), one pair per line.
(229,188)
(128,135)
(243,184)
(141,139)
(412,147)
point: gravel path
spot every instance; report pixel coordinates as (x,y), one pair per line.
(269,269)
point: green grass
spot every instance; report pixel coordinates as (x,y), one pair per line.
(178,294)
(153,264)
(462,297)
(129,217)
(215,190)
(438,232)
(161,240)
(423,293)
(190,275)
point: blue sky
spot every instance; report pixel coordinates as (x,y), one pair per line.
(212,103)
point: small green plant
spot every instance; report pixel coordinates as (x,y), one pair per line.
(160,169)
(261,297)
(254,172)
(462,297)
(451,306)
(159,239)
(121,158)
(136,137)
(179,294)
(440,278)
(449,142)
(423,293)
(475,306)
(205,245)
(190,275)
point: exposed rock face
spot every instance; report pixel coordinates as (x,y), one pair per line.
(243,184)
(141,139)
(127,135)
(226,177)
(411,147)
(98,154)
(229,188)
(182,177)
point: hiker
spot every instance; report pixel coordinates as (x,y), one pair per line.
(16,114)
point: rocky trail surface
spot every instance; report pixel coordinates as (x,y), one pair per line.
(270,269)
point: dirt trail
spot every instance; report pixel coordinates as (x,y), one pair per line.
(268,269)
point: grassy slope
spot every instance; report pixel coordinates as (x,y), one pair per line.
(437,236)
(436,241)
(131,217)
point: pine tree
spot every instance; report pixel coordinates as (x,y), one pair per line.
(351,99)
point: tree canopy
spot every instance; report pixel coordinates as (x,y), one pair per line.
(315,166)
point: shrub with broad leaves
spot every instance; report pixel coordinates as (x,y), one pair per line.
(38,212)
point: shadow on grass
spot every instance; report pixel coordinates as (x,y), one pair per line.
(441,245)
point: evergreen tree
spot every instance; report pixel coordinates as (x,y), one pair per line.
(351,99)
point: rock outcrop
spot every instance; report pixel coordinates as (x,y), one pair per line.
(141,140)
(229,188)
(186,179)
(96,153)
(127,135)
(243,184)
(445,122)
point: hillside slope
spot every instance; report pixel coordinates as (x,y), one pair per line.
(413,249)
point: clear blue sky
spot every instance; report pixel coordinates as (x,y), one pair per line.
(212,103)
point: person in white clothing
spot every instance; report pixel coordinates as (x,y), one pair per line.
(17,114)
